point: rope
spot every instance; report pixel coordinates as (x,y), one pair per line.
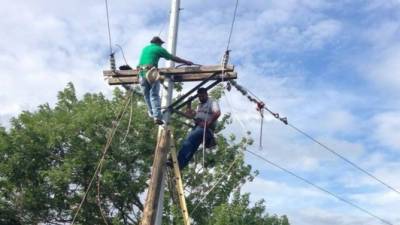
(229,168)
(130,119)
(106,147)
(205,129)
(98,198)
(108,26)
(215,185)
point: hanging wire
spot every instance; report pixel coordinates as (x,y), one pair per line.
(309,182)
(261,128)
(123,54)
(232,25)
(105,149)
(244,91)
(343,158)
(164,24)
(108,26)
(319,187)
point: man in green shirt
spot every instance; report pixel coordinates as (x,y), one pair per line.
(149,58)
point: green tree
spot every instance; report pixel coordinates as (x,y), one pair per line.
(239,212)
(48,157)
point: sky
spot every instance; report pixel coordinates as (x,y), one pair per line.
(331,67)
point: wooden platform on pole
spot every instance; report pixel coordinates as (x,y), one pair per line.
(180,74)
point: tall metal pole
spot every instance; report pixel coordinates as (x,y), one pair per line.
(172,41)
(167,94)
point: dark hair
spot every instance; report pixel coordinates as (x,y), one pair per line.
(202,90)
(156,40)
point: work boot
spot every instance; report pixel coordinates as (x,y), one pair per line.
(211,143)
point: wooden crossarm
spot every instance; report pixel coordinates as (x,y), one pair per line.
(177,71)
(175,78)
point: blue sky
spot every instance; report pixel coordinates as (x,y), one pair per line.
(331,67)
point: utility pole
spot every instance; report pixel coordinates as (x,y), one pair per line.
(153,207)
(152,213)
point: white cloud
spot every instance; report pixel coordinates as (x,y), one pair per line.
(305,205)
(384,70)
(387,129)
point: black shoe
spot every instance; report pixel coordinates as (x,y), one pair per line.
(169,163)
(158,121)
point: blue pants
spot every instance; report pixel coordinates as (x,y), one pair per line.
(191,144)
(151,94)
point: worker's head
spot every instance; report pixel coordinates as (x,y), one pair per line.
(202,94)
(156,40)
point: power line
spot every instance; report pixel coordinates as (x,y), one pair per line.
(123,54)
(343,158)
(108,26)
(284,120)
(233,23)
(163,24)
(320,188)
(305,180)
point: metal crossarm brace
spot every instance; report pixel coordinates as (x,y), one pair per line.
(191,91)
(194,96)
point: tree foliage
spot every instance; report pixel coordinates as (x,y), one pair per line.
(48,157)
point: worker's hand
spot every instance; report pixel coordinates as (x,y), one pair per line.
(189,105)
(189,63)
(202,124)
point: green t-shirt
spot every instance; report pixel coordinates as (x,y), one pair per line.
(151,54)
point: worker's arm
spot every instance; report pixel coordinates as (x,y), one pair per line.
(190,113)
(180,60)
(166,55)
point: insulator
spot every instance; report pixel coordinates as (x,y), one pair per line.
(112,62)
(225,58)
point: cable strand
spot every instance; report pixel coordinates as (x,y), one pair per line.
(244,91)
(108,26)
(319,187)
(343,158)
(307,181)
(232,25)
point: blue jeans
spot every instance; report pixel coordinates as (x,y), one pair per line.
(191,144)
(152,97)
